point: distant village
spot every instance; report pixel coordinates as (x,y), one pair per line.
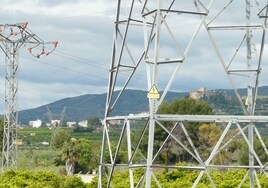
(55,123)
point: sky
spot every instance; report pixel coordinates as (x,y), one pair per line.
(80,63)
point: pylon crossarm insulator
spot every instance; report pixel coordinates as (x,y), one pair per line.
(20,33)
(43,50)
(11,31)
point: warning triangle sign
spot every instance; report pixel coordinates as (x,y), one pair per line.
(153,93)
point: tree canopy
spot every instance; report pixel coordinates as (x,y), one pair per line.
(171,153)
(185,106)
(77,156)
(59,137)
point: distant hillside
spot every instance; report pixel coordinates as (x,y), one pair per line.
(262,91)
(77,108)
(133,101)
(84,106)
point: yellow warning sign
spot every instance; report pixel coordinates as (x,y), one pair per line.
(246,101)
(153,93)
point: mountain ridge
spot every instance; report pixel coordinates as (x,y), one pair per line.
(84,106)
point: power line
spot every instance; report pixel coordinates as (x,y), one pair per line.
(96,64)
(80,60)
(86,61)
(64,68)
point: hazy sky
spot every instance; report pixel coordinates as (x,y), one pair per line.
(80,64)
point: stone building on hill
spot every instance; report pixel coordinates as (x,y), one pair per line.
(203,93)
(198,94)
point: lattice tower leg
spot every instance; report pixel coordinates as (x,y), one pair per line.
(250,88)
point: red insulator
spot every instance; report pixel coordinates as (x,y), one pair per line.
(55,43)
(11,31)
(24,25)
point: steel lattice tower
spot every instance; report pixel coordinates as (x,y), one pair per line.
(13,38)
(55,127)
(153,23)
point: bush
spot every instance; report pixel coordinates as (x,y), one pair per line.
(29,179)
(73,182)
(186,178)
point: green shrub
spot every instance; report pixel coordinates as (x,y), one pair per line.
(47,179)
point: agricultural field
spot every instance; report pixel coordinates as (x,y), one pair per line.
(35,136)
(36,153)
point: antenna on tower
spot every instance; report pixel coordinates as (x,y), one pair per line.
(14,37)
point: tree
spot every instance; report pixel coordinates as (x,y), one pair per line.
(243,156)
(78,156)
(179,106)
(208,136)
(94,122)
(87,161)
(71,153)
(59,137)
(187,106)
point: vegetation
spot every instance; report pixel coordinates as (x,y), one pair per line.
(81,107)
(186,179)
(77,156)
(180,106)
(168,179)
(78,149)
(59,137)
(37,159)
(71,153)
(30,179)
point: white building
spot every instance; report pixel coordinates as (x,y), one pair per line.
(55,123)
(70,123)
(83,123)
(44,143)
(35,124)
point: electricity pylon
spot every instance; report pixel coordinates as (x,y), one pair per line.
(55,127)
(162,27)
(13,38)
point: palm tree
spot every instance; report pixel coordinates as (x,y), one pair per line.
(70,154)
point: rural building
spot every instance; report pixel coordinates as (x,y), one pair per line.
(44,143)
(70,123)
(19,142)
(83,123)
(55,123)
(35,124)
